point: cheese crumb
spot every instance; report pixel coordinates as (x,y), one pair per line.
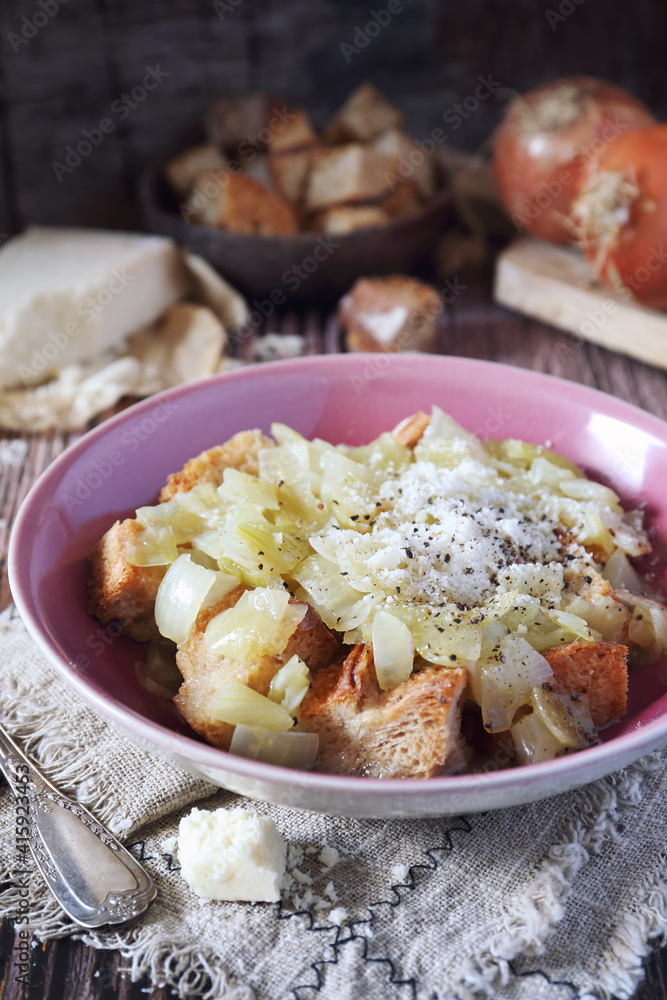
(400,872)
(338,916)
(329,857)
(231,854)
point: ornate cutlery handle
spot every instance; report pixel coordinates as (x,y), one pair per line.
(93,877)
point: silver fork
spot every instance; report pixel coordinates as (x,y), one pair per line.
(93,877)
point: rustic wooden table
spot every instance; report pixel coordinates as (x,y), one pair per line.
(472,327)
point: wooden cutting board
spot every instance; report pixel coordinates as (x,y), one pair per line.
(555,284)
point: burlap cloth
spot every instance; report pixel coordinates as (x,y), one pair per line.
(552,901)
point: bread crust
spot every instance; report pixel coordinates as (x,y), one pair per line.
(204,672)
(240,452)
(598,670)
(371,299)
(119,591)
(410,731)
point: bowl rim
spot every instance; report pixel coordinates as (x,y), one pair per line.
(602,757)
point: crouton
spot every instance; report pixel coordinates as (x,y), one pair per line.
(295,133)
(409,432)
(598,670)
(365,115)
(183,170)
(237,118)
(402,201)
(349,173)
(240,452)
(419,166)
(119,591)
(240,204)
(204,672)
(290,173)
(347,218)
(390,314)
(410,731)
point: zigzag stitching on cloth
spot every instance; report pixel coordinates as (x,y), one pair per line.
(449,846)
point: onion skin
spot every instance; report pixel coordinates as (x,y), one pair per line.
(635,261)
(546,141)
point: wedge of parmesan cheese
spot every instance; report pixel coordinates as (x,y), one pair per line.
(69,294)
(231,854)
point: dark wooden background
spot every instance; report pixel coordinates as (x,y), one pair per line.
(66,78)
(84,55)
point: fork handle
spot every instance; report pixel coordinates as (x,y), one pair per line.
(93,877)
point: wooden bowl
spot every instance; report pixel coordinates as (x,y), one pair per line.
(307,265)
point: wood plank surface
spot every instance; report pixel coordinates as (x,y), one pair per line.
(472,327)
(556,284)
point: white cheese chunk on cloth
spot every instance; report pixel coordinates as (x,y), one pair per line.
(231,854)
(69,294)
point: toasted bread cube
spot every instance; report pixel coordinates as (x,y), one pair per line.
(347,218)
(294,133)
(348,173)
(402,201)
(240,204)
(390,314)
(366,114)
(290,173)
(597,669)
(183,170)
(204,672)
(119,591)
(410,431)
(237,118)
(415,165)
(240,452)
(410,731)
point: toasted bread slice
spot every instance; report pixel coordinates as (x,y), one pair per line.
(183,170)
(390,314)
(365,115)
(296,132)
(240,452)
(411,731)
(347,218)
(204,672)
(240,204)
(348,174)
(119,591)
(597,669)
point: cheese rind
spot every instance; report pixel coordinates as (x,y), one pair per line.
(231,854)
(69,294)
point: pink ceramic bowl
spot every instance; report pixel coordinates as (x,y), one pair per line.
(345,398)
